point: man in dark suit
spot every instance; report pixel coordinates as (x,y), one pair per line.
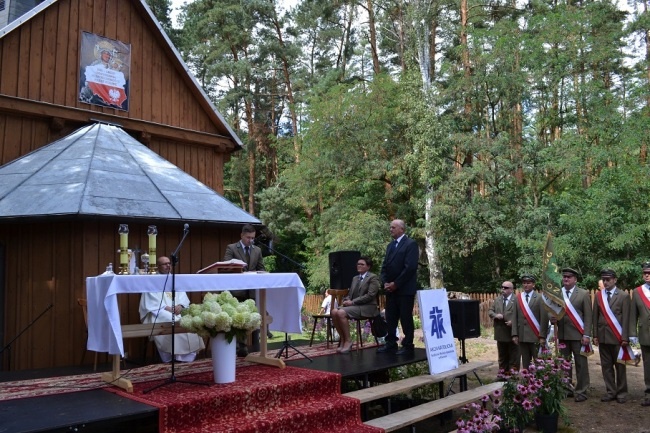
(502,312)
(530,324)
(573,329)
(399,275)
(640,326)
(246,251)
(611,329)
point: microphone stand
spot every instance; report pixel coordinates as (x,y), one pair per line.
(174,260)
(300,266)
(8,346)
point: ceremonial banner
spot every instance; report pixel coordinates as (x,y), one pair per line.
(436,327)
(104,71)
(551,281)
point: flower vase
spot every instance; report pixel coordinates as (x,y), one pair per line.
(547,423)
(224,356)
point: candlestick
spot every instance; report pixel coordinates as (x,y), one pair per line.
(152,231)
(124,248)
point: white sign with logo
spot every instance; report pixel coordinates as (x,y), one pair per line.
(436,326)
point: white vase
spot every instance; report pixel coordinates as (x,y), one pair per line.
(224,356)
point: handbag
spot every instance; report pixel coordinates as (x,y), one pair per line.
(379,327)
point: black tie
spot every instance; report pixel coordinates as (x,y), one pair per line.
(568,293)
(360,280)
(248,255)
(527,297)
(505,302)
(609,296)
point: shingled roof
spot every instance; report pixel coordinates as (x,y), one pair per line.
(101,170)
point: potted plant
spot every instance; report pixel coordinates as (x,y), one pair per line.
(551,372)
(536,393)
(480,418)
(224,319)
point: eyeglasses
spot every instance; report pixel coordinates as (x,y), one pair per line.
(646,273)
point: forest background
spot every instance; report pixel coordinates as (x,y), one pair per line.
(481,124)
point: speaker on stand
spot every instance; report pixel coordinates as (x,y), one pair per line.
(343,267)
(465,323)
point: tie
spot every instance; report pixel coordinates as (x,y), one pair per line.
(609,296)
(360,280)
(505,302)
(568,293)
(527,295)
(393,246)
(248,255)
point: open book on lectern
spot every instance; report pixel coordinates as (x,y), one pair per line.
(228,266)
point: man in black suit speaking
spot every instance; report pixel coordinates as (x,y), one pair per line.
(246,251)
(399,275)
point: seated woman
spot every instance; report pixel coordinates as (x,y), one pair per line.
(360,303)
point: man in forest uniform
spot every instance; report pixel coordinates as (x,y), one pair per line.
(611,328)
(530,323)
(573,330)
(502,312)
(640,326)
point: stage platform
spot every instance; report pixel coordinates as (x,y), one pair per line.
(100,411)
(361,365)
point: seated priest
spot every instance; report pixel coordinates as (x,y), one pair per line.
(157,308)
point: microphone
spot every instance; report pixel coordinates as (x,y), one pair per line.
(186,228)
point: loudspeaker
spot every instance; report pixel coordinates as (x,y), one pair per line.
(343,267)
(465,318)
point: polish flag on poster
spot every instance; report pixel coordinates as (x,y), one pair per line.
(108,84)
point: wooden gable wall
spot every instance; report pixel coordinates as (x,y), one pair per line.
(39,89)
(46,262)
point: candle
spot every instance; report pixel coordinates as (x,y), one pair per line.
(152,231)
(124,244)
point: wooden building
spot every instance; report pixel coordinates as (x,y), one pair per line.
(46,94)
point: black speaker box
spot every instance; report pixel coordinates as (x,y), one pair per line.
(343,267)
(465,318)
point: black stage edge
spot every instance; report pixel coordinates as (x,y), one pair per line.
(100,411)
(97,411)
(359,364)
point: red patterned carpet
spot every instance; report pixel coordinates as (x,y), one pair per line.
(84,382)
(262,399)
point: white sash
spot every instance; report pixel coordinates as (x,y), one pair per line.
(616,327)
(573,314)
(625,354)
(528,313)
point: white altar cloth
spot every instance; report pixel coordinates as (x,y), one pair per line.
(284,297)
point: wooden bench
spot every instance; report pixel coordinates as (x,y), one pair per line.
(408,417)
(114,377)
(405,385)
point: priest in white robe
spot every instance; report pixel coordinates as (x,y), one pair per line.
(157,308)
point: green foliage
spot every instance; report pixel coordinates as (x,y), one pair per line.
(536,120)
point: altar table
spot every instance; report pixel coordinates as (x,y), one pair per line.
(280,294)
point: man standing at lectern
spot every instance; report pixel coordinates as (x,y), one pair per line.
(245,251)
(399,275)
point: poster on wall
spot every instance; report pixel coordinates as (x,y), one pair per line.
(104,72)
